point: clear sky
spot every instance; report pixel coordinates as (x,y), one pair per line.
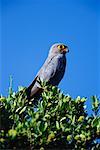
(30,27)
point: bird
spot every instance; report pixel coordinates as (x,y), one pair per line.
(52,70)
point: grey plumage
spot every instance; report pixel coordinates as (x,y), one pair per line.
(52,70)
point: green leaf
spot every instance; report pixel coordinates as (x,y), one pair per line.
(50,136)
(95,103)
(83,100)
(77,137)
(20,88)
(57,125)
(98,126)
(18,109)
(12,133)
(67,129)
(10,87)
(78,99)
(45,126)
(60,103)
(2,140)
(83,137)
(73,120)
(62,119)
(69,137)
(2,99)
(80,119)
(22,110)
(95,122)
(62,126)
(42,148)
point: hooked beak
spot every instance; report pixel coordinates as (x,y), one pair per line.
(65,50)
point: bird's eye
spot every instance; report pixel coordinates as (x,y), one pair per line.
(60,47)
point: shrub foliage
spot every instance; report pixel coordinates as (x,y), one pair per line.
(57,122)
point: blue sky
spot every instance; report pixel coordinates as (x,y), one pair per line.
(30,27)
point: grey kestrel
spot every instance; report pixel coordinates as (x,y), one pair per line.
(52,70)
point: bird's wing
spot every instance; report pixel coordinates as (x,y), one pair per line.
(46,73)
(48,69)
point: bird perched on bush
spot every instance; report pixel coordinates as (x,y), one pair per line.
(52,70)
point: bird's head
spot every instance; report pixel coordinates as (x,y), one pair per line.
(58,48)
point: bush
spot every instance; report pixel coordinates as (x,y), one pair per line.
(58,122)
